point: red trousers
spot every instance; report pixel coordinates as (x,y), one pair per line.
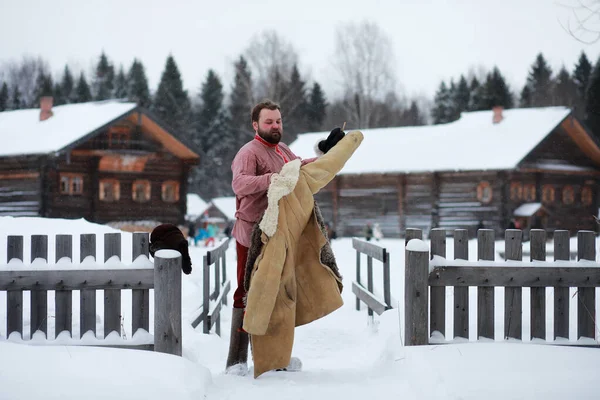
(242,257)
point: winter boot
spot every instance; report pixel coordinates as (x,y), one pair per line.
(295,365)
(237,360)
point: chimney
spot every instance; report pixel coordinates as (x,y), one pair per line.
(498,117)
(46,107)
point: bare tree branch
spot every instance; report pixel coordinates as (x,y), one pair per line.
(364,60)
(584,21)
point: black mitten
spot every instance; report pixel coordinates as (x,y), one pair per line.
(335,136)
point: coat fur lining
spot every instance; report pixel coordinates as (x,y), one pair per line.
(281,185)
(256,244)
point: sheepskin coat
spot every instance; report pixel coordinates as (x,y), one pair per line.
(293,278)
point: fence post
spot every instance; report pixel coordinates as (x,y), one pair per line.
(63,299)
(87,297)
(14,298)
(485,294)
(416,285)
(167,302)
(461,293)
(513,303)
(437,237)
(140,298)
(538,294)
(357,277)
(562,251)
(112,297)
(39,298)
(586,296)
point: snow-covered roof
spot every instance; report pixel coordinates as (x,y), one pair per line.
(226,205)
(24,133)
(471,143)
(195,206)
(527,209)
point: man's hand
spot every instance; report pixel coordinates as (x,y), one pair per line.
(335,136)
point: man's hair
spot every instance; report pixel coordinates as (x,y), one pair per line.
(268,104)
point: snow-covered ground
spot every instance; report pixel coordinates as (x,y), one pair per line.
(345,354)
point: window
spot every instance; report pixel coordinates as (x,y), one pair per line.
(568,195)
(516,191)
(548,194)
(586,195)
(118,137)
(71,184)
(140,191)
(170,191)
(110,190)
(484,192)
(529,192)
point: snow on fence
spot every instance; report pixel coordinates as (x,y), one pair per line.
(64,277)
(367,295)
(423,274)
(211,313)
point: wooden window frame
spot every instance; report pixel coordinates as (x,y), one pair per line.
(587,195)
(529,192)
(516,191)
(118,136)
(164,188)
(548,194)
(67,184)
(116,190)
(568,195)
(481,192)
(147,190)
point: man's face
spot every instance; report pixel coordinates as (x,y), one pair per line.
(269,125)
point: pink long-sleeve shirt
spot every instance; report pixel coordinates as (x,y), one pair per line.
(252,168)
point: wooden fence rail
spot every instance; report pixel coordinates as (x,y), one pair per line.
(211,312)
(367,295)
(64,277)
(423,274)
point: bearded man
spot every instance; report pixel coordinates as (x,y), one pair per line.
(255,167)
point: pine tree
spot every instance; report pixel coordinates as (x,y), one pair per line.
(121,84)
(317,108)
(462,96)
(525,98)
(171,102)
(412,116)
(103,82)
(44,86)
(4,97)
(67,86)
(212,134)
(294,106)
(209,128)
(476,99)
(16,100)
(592,105)
(138,85)
(442,105)
(581,77)
(565,90)
(496,92)
(241,102)
(539,81)
(82,91)
(59,98)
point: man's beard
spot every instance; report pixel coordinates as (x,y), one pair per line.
(271,136)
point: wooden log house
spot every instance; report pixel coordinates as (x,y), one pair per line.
(468,174)
(103,161)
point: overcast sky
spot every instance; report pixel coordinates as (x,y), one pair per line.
(432,39)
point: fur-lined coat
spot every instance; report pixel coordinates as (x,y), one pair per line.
(292,277)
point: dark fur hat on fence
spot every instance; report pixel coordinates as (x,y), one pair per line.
(168,236)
